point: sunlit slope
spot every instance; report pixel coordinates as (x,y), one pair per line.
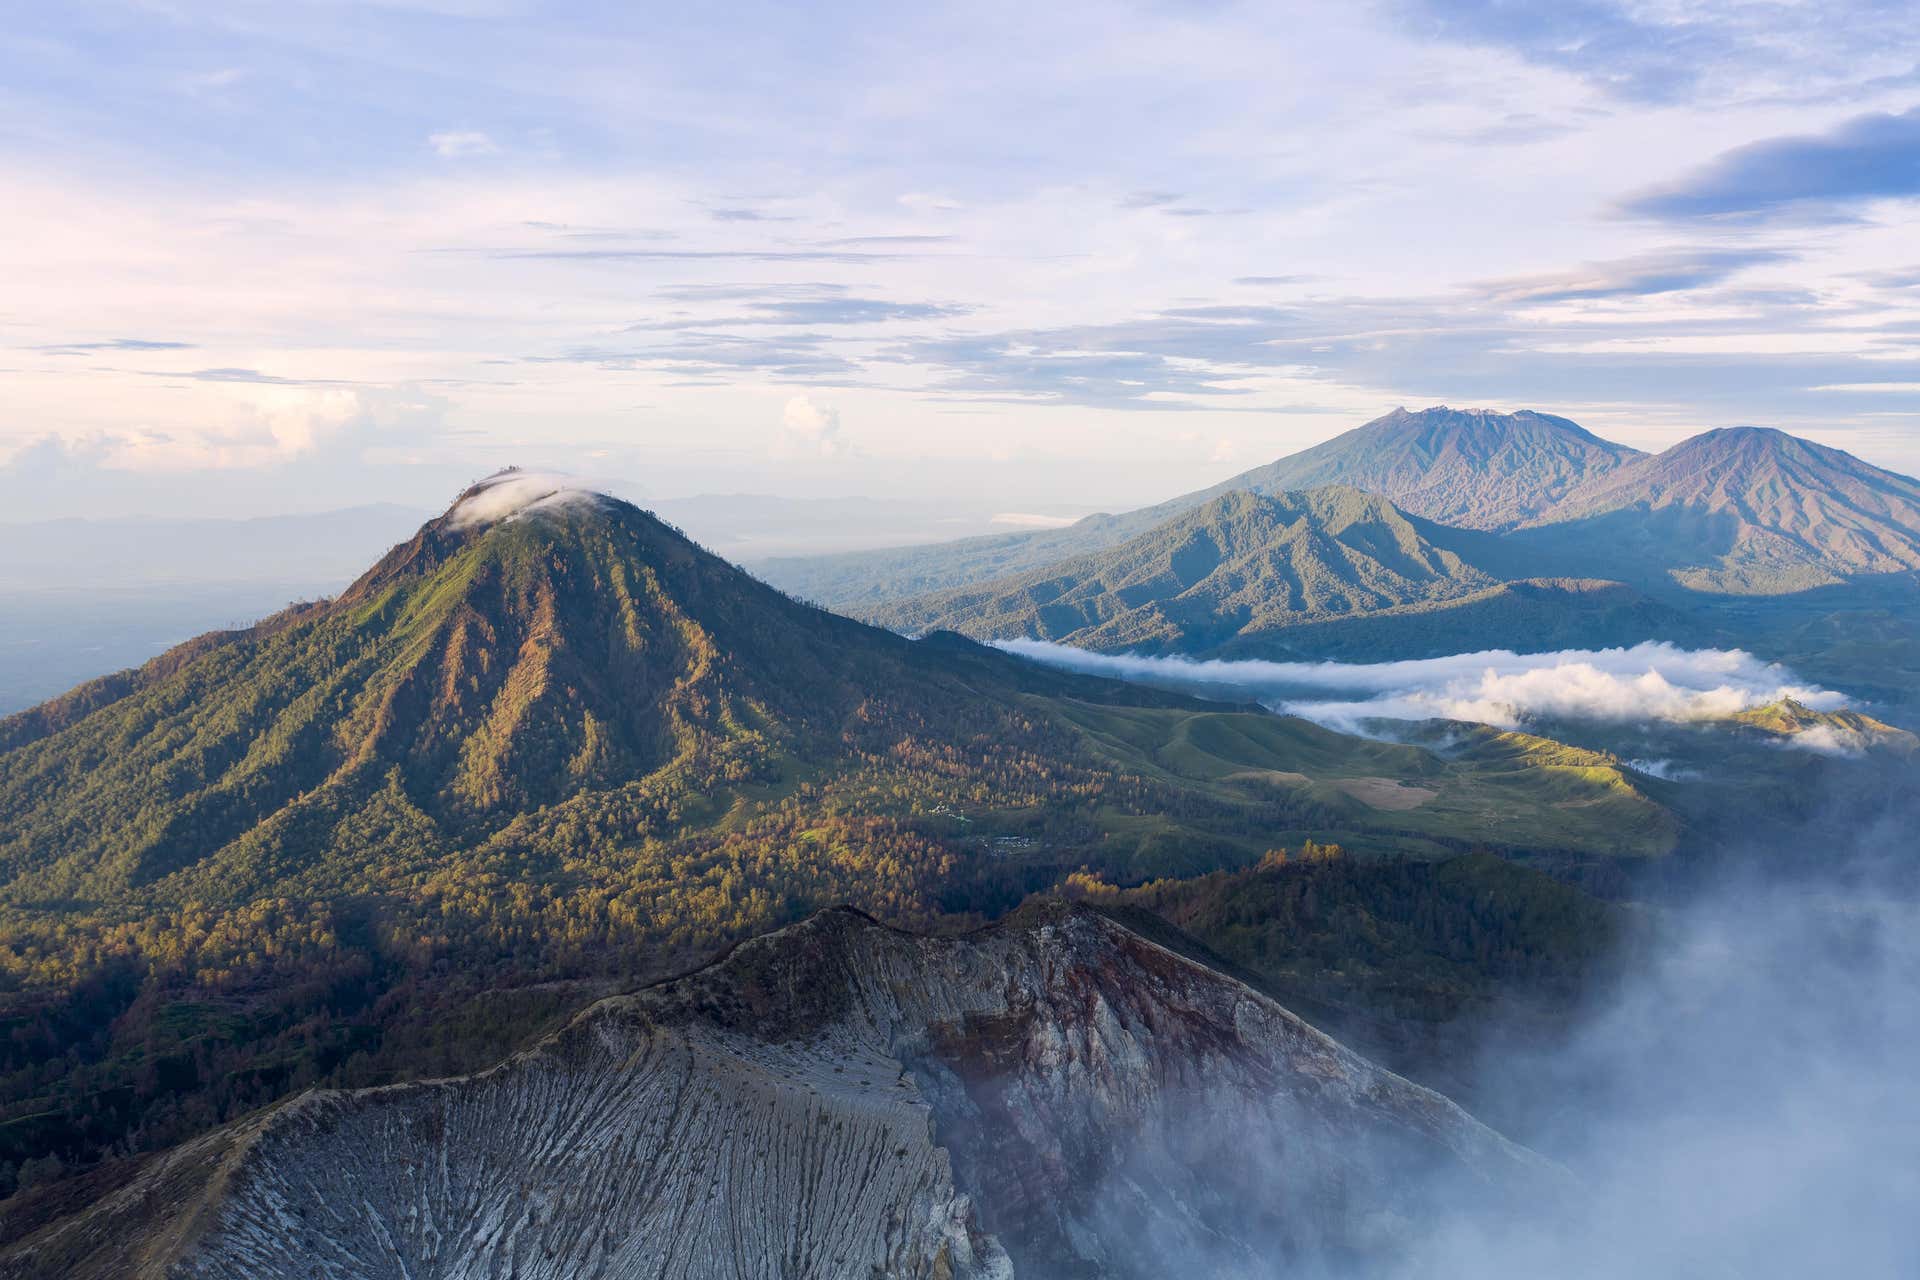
(1474,786)
(536,687)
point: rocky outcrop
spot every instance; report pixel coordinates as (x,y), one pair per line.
(1053,1096)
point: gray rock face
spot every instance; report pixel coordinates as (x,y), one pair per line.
(1054,1096)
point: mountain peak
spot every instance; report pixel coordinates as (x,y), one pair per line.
(1747,509)
(1476,468)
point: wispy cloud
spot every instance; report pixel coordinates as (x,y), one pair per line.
(1809,177)
(1665,271)
(460,144)
(114,344)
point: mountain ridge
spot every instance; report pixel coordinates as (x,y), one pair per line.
(1242,562)
(1740,510)
(1425,461)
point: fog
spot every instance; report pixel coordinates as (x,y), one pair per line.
(1647,683)
(1743,1105)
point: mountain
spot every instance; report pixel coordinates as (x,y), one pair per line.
(495,665)
(1331,572)
(1054,1095)
(1240,565)
(547,748)
(1743,510)
(1468,467)
(1473,468)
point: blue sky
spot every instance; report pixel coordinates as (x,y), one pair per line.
(296,254)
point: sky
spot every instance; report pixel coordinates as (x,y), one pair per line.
(292,255)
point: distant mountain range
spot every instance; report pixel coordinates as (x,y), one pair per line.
(1329,572)
(1744,511)
(1241,565)
(1471,468)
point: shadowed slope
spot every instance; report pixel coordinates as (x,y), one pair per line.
(1745,510)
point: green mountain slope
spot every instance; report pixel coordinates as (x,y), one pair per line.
(1241,565)
(1746,510)
(1467,467)
(1330,572)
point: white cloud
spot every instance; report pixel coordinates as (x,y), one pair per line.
(1033,520)
(459,143)
(513,494)
(809,429)
(1648,682)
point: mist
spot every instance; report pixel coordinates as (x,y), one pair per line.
(1654,682)
(1741,1104)
(1738,1102)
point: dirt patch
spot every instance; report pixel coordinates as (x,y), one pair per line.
(1385,793)
(1279,776)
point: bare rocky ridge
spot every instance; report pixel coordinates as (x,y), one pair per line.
(1053,1096)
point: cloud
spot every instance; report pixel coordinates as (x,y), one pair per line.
(830,306)
(746,215)
(1679,52)
(115,344)
(1648,682)
(1813,177)
(809,429)
(1033,520)
(1149,199)
(1667,271)
(514,494)
(461,143)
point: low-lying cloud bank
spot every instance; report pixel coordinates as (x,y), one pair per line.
(1649,682)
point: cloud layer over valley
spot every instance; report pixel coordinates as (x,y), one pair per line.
(1652,682)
